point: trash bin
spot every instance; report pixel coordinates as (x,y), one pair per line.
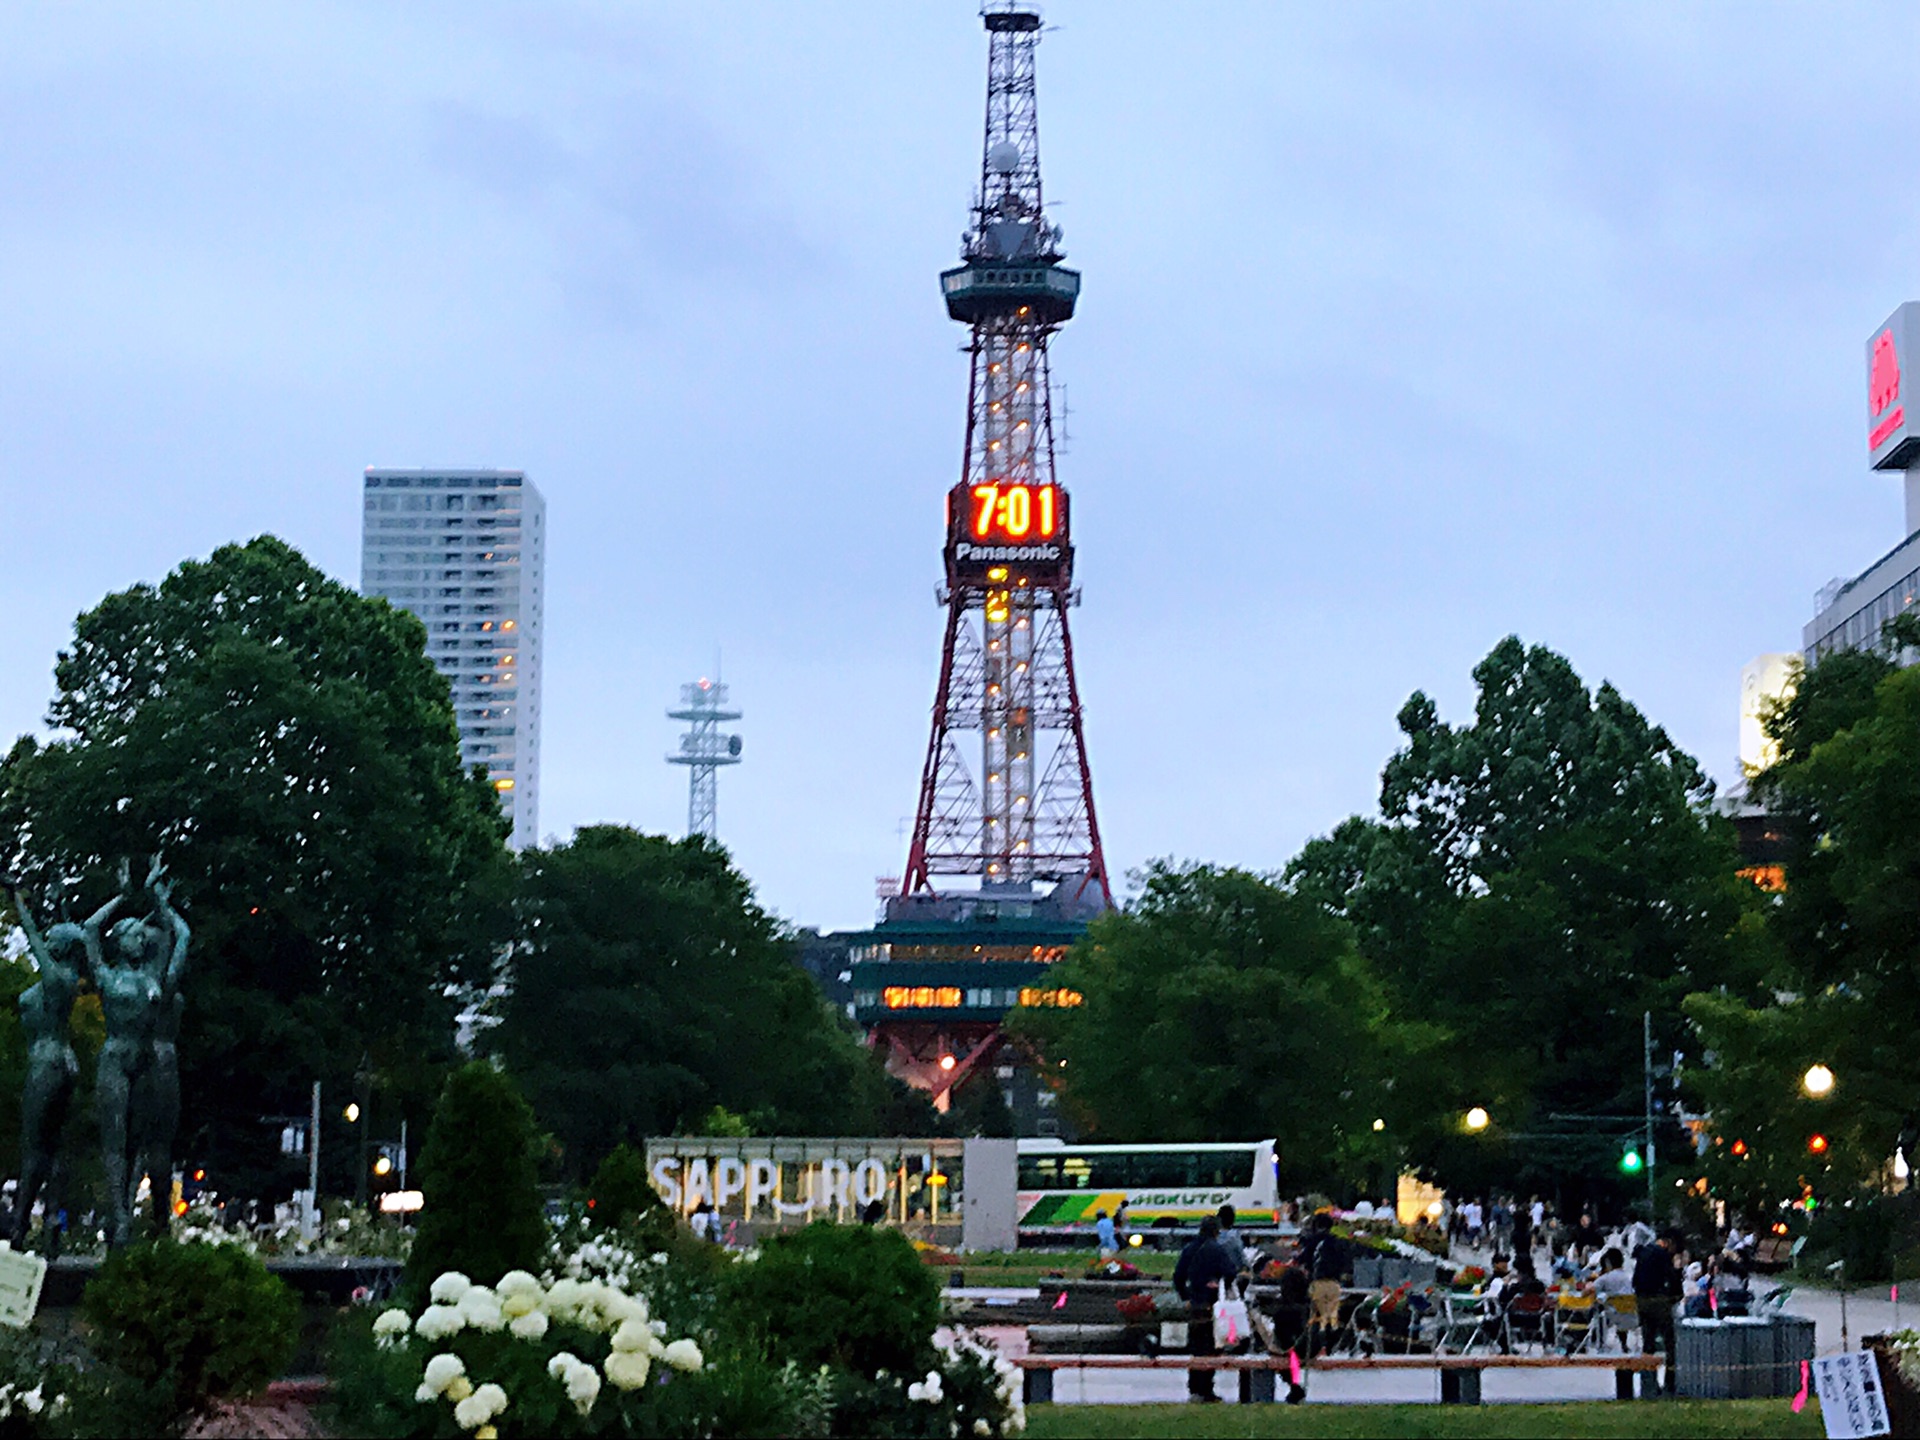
(1702,1360)
(1748,1340)
(1792,1346)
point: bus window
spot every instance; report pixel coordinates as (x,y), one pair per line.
(1225,1169)
(1110,1172)
(1039,1172)
(1076,1172)
(1164,1170)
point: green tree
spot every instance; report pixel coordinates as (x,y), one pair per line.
(649,987)
(1537,880)
(1218,1006)
(1845,797)
(291,750)
(480,1210)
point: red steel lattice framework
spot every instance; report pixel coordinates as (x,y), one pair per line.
(1007,683)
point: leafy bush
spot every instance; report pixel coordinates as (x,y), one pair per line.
(621,1192)
(573,1357)
(481,1212)
(851,1297)
(189,1324)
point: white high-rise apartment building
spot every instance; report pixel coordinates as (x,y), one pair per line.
(465,551)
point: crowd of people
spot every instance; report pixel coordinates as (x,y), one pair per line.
(1531,1250)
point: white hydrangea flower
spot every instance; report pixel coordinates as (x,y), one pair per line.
(390,1325)
(448,1289)
(442,1370)
(426,1394)
(683,1355)
(439,1322)
(520,1302)
(471,1413)
(493,1397)
(460,1389)
(530,1326)
(515,1281)
(628,1369)
(564,1364)
(632,1336)
(563,1298)
(32,1401)
(583,1387)
(980,1427)
(480,1308)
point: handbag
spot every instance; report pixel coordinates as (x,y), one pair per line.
(1231,1325)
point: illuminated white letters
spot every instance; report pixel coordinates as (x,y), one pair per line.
(729,1179)
(699,1185)
(832,1193)
(666,1179)
(759,1183)
(870,1182)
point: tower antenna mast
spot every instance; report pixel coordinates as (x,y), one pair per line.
(703,750)
(1006,794)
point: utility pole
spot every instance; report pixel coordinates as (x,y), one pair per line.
(313,1167)
(1646,1065)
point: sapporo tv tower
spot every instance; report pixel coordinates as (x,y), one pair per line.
(1005,867)
(1008,679)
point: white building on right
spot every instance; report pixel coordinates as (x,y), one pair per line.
(1848,614)
(465,550)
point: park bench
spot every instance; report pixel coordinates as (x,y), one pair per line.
(1459,1374)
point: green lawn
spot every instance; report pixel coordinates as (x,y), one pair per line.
(1600,1418)
(1030,1267)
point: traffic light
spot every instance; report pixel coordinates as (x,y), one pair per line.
(1816,1144)
(1631,1161)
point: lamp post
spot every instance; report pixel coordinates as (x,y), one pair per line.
(1478,1119)
(1817,1082)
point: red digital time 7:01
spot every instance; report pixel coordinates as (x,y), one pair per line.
(1015,512)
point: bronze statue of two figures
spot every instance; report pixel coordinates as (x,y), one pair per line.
(136,964)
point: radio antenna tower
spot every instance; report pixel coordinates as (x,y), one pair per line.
(703,750)
(1007,690)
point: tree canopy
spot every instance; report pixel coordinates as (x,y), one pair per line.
(1845,954)
(290,749)
(648,987)
(1537,881)
(1219,1007)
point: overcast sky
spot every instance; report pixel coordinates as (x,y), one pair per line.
(1404,328)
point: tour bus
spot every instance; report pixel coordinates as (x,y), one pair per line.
(1061,1186)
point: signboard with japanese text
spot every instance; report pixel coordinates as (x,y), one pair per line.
(1851,1401)
(21,1276)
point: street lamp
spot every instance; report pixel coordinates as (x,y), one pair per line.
(1817,1082)
(1478,1119)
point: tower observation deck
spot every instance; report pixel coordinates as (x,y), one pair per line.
(1005,867)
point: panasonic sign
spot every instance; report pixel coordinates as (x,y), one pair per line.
(983,554)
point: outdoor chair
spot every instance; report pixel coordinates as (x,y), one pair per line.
(1528,1320)
(1622,1317)
(1466,1321)
(1576,1322)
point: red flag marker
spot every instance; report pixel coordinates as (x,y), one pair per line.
(1800,1400)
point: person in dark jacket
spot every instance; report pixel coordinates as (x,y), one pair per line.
(1656,1290)
(1326,1258)
(1198,1277)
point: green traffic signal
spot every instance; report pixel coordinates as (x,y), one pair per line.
(1631,1162)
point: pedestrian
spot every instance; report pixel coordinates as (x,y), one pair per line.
(1103,1228)
(1656,1290)
(1230,1241)
(1523,1241)
(1537,1212)
(1586,1238)
(1323,1256)
(702,1222)
(1198,1278)
(1120,1223)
